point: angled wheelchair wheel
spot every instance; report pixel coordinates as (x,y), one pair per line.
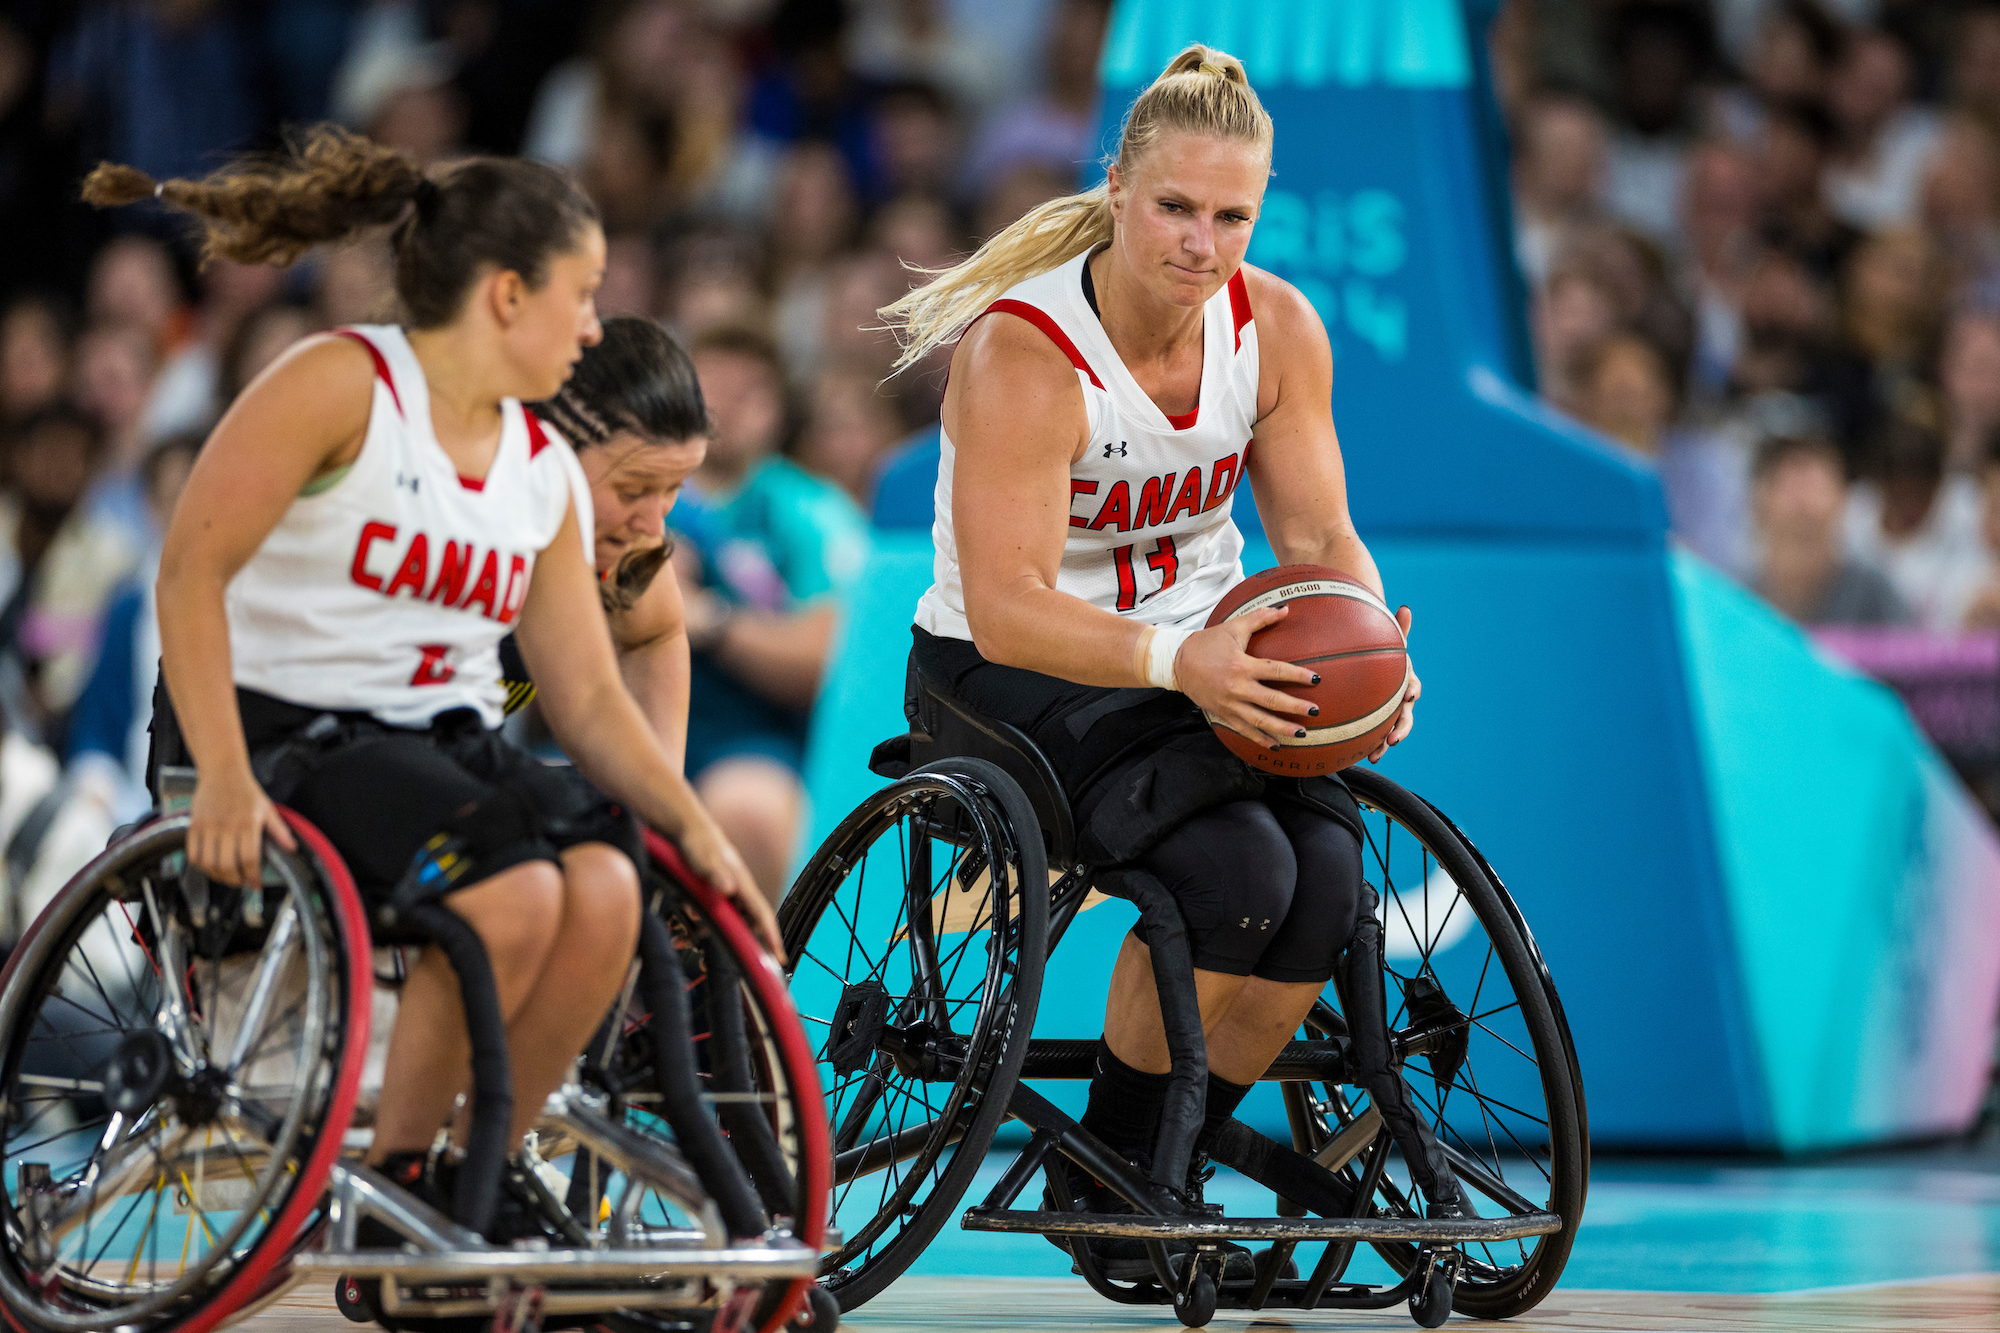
(178,1064)
(917,935)
(1484,1048)
(757,1074)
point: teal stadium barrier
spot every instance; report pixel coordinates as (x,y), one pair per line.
(1774,916)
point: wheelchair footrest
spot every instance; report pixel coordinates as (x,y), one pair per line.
(1443,1230)
(745,1263)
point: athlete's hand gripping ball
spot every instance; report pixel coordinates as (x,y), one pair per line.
(1337,626)
(1216,669)
(227,823)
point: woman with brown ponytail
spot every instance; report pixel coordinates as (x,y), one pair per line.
(368,521)
(1119,370)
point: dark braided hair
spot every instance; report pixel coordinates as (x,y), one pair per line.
(328,184)
(636,381)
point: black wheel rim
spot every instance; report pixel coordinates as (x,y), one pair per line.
(1504,1104)
(896,1118)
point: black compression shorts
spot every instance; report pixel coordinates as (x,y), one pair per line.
(380,795)
(1266,887)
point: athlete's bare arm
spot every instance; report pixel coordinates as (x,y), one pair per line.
(306,414)
(1016,417)
(651,637)
(567,647)
(1295,466)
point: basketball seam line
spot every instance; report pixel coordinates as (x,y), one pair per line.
(1334,657)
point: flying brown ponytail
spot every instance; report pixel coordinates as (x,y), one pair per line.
(481,211)
(270,209)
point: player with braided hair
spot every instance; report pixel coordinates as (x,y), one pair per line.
(632,410)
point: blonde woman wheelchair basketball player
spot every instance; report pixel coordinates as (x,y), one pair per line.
(1119,370)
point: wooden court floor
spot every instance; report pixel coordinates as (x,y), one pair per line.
(1008,1305)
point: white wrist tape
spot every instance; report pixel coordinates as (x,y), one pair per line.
(1161,651)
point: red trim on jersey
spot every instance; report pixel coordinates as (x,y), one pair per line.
(538,439)
(1040,319)
(1239,309)
(381,366)
(473,483)
(1184,420)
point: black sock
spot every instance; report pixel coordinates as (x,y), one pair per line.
(1223,1099)
(1125,1104)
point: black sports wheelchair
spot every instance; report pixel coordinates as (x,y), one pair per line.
(1435,1104)
(185,1082)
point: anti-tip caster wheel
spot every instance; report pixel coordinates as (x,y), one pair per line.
(1194,1303)
(358,1298)
(820,1313)
(1430,1306)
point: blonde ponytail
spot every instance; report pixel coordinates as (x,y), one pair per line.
(1201,91)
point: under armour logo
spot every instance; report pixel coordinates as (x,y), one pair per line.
(410,482)
(1114,446)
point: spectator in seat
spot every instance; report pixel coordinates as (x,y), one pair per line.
(1792,159)
(1982,610)
(34,357)
(58,566)
(767,550)
(1719,227)
(1799,497)
(1969,378)
(1919,525)
(108,732)
(1884,143)
(1626,390)
(1558,178)
(1659,50)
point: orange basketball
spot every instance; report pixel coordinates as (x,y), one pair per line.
(1340,629)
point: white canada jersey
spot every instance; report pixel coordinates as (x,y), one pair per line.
(388,591)
(1150,536)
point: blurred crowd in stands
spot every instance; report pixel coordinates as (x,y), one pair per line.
(1761,242)
(1763,246)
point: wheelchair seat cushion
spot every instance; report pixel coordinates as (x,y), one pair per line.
(381,794)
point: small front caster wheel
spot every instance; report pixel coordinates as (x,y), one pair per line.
(359,1298)
(820,1313)
(1194,1304)
(1431,1305)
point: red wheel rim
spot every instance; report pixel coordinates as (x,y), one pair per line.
(761,973)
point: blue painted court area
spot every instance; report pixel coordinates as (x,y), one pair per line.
(1674,1225)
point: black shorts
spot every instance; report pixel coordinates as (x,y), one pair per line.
(1266,871)
(380,793)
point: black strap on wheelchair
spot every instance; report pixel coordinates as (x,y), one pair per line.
(492,1080)
(1165,934)
(664,990)
(1373,1063)
(729,1072)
